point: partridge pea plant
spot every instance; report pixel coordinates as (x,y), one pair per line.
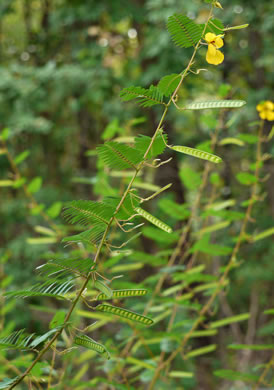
(72,278)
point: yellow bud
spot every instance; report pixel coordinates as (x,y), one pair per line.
(218,5)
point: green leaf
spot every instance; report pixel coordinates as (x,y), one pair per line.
(41,240)
(37,209)
(201,351)
(50,288)
(130,315)
(19,182)
(190,178)
(21,157)
(258,347)
(37,370)
(178,211)
(16,340)
(43,230)
(142,143)
(106,290)
(155,221)
(91,236)
(140,363)
(197,153)
(184,32)
(35,185)
(119,294)
(6,382)
(264,234)
(230,140)
(235,375)
(249,138)
(128,207)
(44,337)
(119,156)
(180,374)
(246,178)
(229,320)
(111,130)
(215,104)
(215,26)
(58,319)
(87,212)
(5,133)
(89,343)
(6,183)
(54,210)
(146,97)
(160,236)
(60,268)
(203,245)
(240,27)
(269,311)
(213,228)
(145,258)
(168,84)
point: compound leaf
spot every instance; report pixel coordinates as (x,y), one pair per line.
(184,32)
(119,156)
(169,83)
(49,288)
(87,212)
(142,143)
(93,235)
(146,97)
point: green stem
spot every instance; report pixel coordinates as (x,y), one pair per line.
(182,238)
(57,334)
(229,266)
(74,303)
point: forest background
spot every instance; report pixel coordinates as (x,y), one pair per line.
(63,64)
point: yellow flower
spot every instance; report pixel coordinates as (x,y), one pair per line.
(213,55)
(266,110)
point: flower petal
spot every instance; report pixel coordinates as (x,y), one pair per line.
(211,54)
(259,107)
(268,105)
(270,115)
(219,42)
(210,37)
(219,57)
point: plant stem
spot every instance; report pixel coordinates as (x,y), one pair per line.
(229,266)
(184,235)
(264,373)
(57,334)
(98,252)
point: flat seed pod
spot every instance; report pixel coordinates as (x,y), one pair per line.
(127,293)
(215,104)
(130,315)
(155,221)
(87,342)
(198,153)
